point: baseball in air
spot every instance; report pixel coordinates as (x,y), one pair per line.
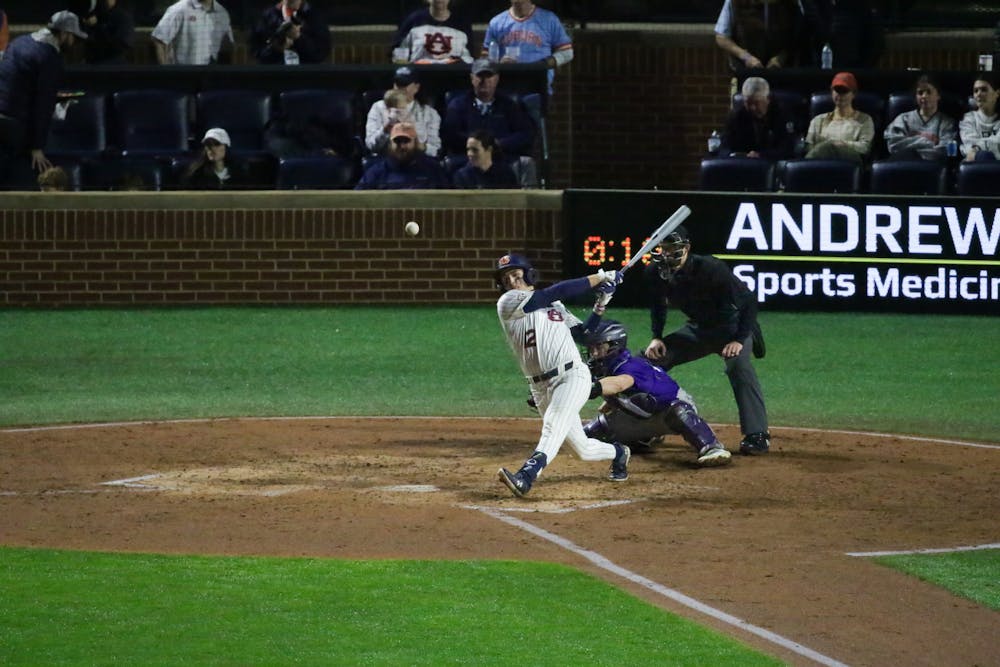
(411,228)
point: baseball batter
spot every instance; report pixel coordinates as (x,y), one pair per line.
(540,331)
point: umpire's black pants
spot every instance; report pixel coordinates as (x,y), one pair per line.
(692,342)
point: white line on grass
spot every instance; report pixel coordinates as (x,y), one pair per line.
(913,552)
(605,564)
(209,420)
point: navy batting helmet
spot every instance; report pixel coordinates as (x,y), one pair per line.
(514,261)
(614,334)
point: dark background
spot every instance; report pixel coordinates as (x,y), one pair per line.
(895,13)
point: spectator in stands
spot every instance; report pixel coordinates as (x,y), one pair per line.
(4,33)
(292,32)
(924,133)
(980,128)
(759,128)
(482,107)
(404,167)
(193,32)
(758,34)
(484,169)
(110,32)
(435,35)
(526,33)
(215,168)
(53,179)
(424,117)
(30,74)
(844,133)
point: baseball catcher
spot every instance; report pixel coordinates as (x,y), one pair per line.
(641,401)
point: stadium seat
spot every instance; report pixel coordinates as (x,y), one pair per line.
(978,179)
(151,123)
(82,131)
(242,113)
(329,112)
(316,173)
(453,163)
(794,104)
(951,104)
(129,173)
(821,176)
(871,103)
(908,177)
(736,174)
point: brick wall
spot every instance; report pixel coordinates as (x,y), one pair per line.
(266,248)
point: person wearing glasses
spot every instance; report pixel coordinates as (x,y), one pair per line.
(844,133)
(404,166)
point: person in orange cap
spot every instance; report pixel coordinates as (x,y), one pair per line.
(844,133)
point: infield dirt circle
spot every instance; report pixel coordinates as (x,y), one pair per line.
(766,540)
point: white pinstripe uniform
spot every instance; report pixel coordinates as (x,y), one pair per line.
(542,342)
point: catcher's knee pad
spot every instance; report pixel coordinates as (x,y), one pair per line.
(598,428)
(682,418)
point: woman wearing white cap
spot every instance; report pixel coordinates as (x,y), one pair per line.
(215,168)
(30,74)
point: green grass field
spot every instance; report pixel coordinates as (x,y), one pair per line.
(169,610)
(933,376)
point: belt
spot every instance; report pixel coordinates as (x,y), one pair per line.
(548,375)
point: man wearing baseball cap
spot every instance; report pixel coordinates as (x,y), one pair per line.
(404,167)
(30,74)
(424,117)
(483,108)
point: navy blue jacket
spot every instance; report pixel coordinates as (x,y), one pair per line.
(30,74)
(420,173)
(499,175)
(506,121)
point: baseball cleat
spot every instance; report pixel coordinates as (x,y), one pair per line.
(619,466)
(755,443)
(713,455)
(516,482)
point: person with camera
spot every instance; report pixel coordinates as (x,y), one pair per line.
(293,32)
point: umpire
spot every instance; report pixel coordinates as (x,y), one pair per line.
(722,319)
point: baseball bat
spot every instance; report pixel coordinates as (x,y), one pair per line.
(661,233)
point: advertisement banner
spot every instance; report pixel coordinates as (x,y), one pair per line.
(807,252)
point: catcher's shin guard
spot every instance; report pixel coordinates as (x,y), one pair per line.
(683,420)
(598,428)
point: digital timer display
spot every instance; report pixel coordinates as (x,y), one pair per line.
(599,252)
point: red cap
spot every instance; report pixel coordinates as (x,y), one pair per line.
(845,79)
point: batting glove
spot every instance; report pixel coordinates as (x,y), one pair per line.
(603,299)
(612,278)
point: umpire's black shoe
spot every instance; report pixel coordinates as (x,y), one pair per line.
(518,483)
(755,444)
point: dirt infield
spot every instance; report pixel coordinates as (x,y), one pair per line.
(765,540)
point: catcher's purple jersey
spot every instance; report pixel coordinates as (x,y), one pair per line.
(649,379)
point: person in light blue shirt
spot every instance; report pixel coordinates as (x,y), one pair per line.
(526,33)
